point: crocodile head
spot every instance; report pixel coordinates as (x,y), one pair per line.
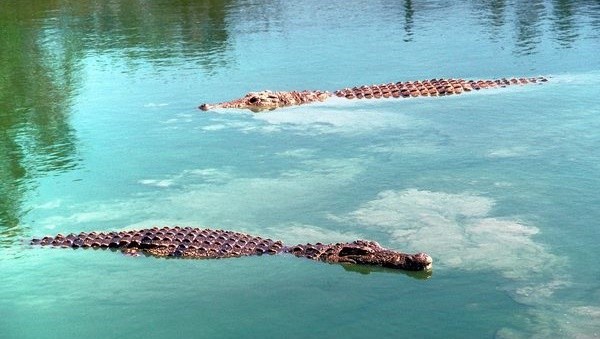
(362,252)
(254,101)
(269,100)
(371,253)
(261,101)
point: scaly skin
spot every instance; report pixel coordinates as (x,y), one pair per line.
(268,100)
(197,243)
(363,252)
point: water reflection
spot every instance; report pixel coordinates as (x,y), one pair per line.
(521,24)
(37,85)
(493,16)
(528,26)
(42,47)
(566,18)
(564,24)
(259,16)
(157,31)
(409,12)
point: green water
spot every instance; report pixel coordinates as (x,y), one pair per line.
(99,130)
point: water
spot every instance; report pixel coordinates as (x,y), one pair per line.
(100,131)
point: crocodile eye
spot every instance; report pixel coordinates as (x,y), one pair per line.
(253,100)
(354,251)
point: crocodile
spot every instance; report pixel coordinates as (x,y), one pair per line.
(269,100)
(202,243)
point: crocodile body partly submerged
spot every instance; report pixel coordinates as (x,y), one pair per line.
(198,243)
(269,100)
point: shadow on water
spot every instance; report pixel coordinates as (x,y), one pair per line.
(420,275)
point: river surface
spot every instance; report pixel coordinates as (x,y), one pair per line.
(99,130)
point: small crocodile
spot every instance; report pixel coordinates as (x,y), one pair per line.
(269,100)
(199,243)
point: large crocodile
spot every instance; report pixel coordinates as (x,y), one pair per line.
(269,100)
(198,243)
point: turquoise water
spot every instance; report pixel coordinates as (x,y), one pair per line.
(100,131)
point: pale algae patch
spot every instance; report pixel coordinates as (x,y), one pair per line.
(224,124)
(408,147)
(52,204)
(300,153)
(458,231)
(201,175)
(157,182)
(317,120)
(223,198)
(298,233)
(511,152)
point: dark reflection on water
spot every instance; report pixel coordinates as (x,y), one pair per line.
(528,28)
(565,17)
(419,275)
(409,12)
(492,14)
(258,16)
(42,46)
(37,85)
(564,24)
(156,31)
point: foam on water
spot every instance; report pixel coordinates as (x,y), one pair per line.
(296,233)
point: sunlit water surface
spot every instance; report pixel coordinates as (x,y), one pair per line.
(100,131)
